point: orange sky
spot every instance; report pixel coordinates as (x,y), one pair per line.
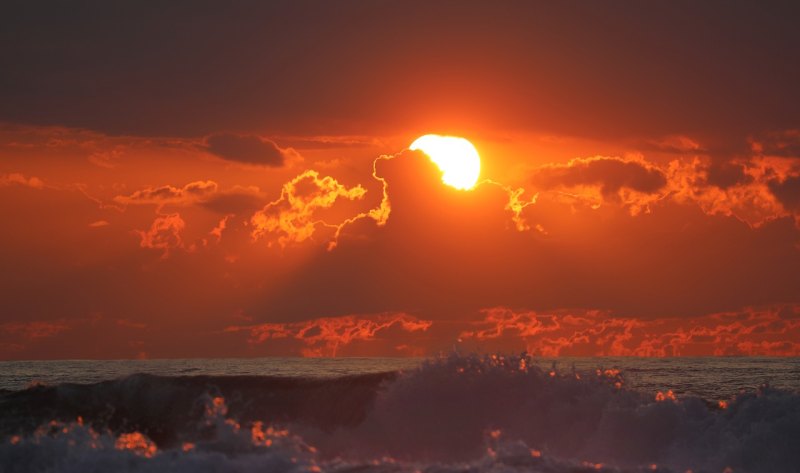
(199,183)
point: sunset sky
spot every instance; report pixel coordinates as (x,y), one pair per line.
(203,179)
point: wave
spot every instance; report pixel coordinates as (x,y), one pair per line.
(167,408)
(460,413)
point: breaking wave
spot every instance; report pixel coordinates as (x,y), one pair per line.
(459,413)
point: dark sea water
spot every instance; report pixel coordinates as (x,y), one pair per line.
(456,413)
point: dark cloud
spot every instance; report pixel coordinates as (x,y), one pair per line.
(237,201)
(245,149)
(785,143)
(167,194)
(787,192)
(609,174)
(724,174)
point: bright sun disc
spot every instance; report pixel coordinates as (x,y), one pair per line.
(456,157)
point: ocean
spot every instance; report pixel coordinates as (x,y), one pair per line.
(455,413)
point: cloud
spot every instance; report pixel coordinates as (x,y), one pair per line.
(216,232)
(749,189)
(328,336)
(751,331)
(674,144)
(442,251)
(724,174)
(632,182)
(787,192)
(66,337)
(236,200)
(35,330)
(191,193)
(20,179)
(754,189)
(164,234)
(248,149)
(783,143)
(610,174)
(106,159)
(291,218)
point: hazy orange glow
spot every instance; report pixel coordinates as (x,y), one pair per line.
(565,205)
(456,157)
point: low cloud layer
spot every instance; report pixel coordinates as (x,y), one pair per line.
(771,331)
(332,335)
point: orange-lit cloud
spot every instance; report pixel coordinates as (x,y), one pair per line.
(516,204)
(164,234)
(20,179)
(747,189)
(328,336)
(771,331)
(291,218)
(754,190)
(216,232)
(190,193)
(631,182)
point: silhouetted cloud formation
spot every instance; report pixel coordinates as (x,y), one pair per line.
(726,174)
(167,194)
(246,149)
(609,174)
(788,192)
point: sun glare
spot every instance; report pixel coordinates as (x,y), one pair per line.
(456,157)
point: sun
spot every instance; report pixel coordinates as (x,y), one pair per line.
(456,157)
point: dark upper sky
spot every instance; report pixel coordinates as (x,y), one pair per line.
(191,68)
